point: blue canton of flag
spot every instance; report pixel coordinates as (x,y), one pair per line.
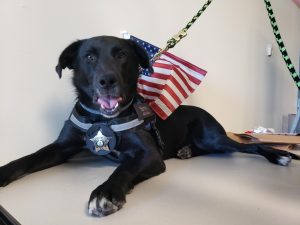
(150,49)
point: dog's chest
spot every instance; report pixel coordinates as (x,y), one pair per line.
(117,138)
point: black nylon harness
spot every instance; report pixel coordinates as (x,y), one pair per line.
(103,136)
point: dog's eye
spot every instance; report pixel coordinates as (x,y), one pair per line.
(91,58)
(121,55)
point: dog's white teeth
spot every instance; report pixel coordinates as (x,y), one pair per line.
(107,109)
(116,106)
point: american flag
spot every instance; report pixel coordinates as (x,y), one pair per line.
(173,80)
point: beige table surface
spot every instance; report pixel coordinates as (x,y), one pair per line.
(208,190)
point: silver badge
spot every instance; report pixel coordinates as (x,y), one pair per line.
(100,141)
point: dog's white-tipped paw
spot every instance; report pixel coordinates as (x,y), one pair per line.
(93,210)
(101,207)
(284,160)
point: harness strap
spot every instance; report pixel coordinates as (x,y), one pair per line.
(126,126)
(79,124)
(115,127)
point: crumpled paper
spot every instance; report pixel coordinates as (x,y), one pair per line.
(261,130)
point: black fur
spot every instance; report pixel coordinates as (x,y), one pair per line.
(106,70)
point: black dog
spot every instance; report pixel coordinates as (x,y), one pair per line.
(110,118)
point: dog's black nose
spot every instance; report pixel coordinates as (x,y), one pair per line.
(107,82)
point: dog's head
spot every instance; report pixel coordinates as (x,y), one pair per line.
(105,71)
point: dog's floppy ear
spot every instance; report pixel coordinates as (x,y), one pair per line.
(144,60)
(68,57)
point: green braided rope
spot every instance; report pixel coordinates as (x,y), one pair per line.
(174,40)
(280,43)
(182,33)
(193,20)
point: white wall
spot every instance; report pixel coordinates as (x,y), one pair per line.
(243,88)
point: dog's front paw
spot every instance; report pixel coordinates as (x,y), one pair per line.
(105,200)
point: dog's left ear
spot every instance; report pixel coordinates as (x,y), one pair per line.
(68,57)
(144,60)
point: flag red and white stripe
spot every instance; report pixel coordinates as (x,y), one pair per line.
(173,80)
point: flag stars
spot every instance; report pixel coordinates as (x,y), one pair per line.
(150,49)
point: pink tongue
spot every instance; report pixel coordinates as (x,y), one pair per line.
(108,103)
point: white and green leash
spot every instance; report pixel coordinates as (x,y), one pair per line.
(281,45)
(182,33)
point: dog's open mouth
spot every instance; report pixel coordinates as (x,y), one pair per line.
(109,105)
